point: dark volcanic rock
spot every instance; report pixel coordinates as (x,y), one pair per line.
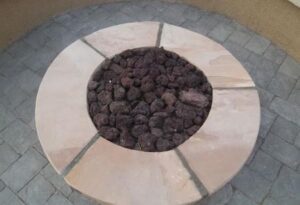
(148,99)
(133,93)
(195,98)
(119,107)
(109,133)
(138,130)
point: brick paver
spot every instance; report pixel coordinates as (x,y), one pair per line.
(271,175)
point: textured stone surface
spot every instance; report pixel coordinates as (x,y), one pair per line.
(148,172)
(7,197)
(7,157)
(25,168)
(72,127)
(87,20)
(265,165)
(282,151)
(252,184)
(37,191)
(285,129)
(285,188)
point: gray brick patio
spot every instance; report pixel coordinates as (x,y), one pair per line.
(271,175)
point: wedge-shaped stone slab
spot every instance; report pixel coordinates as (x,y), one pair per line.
(221,68)
(116,175)
(116,39)
(222,145)
(62,121)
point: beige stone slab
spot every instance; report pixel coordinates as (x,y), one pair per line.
(221,68)
(62,121)
(222,145)
(116,39)
(116,175)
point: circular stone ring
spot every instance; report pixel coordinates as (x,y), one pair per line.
(115,175)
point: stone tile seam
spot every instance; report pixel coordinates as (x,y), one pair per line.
(197,181)
(79,156)
(92,47)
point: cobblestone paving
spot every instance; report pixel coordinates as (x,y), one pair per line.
(272,173)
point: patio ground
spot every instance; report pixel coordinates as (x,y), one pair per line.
(270,177)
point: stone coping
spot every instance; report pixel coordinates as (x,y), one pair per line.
(115,175)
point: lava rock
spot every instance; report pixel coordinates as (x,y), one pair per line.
(105,97)
(119,107)
(126,82)
(92,97)
(92,85)
(123,121)
(138,130)
(119,93)
(193,97)
(101,119)
(157,132)
(169,98)
(157,105)
(162,144)
(156,121)
(109,133)
(149,97)
(141,108)
(140,119)
(146,141)
(133,93)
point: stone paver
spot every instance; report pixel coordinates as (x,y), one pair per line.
(252,184)
(258,44)
(287,110)
(19,136)
(239,37)
(290,67)
(281,85)
(56,180)
(21,172)
(221,32)
(58,199)
(265,165)
(37,191)
(7,157)
(282,151)
(275,54)
(7,197)
(240,199)
(24,63)
(6,117)
(285,129)
(286,188)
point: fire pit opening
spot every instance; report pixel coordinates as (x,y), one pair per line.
(148,99)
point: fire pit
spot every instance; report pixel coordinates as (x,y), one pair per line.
(147,113)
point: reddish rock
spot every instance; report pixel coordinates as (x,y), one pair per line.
(91,96)
(156,121)
(140,119)
(101,119)
(146,141)
(133,93)
(109,133)
(169,98)
(162,144)
(138,130)
(126,82)
(119,93)
(119,107)
(105,97)
(92,85)
(157,105)
(195,98)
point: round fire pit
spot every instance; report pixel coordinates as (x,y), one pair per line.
(126,131)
